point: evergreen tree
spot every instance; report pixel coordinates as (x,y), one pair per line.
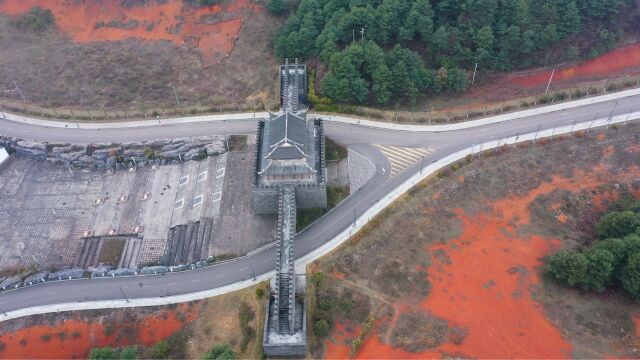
(277,7)
(631,276)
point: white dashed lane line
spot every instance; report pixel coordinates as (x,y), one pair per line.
(403,157)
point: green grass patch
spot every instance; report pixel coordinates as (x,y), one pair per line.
(306,217)
(111,251)
(335,151)
(237,142)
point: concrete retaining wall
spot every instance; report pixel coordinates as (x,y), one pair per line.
(310,197)
(265,200)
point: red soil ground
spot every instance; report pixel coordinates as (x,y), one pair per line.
(483,282)
(79,337)
(610,63)
(172,21)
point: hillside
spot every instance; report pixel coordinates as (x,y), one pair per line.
(129,54)
(396,51)
(457,269)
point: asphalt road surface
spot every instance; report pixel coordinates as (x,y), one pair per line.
(357,137)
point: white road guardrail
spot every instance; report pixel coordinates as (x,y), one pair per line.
(332,118)
(359,223)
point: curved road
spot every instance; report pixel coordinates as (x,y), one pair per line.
(359,138)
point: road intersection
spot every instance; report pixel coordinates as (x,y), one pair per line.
(359,135)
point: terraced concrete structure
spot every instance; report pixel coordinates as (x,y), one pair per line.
(289,174)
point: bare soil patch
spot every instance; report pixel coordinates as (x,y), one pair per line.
(190,329)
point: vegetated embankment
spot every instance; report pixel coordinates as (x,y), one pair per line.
(457,267)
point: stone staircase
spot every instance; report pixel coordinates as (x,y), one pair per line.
(284,318)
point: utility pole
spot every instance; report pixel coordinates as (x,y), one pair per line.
(550,78)
(354,217)
(611,115)
(591,123)
(123,294)
(1,112)
(5,314)
(176,94)
(422,164)
(20,92)
(253,273)
(473,80)
(353,35)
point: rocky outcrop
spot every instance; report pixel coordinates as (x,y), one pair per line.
(14,281)
(67,274)
(154,270)
(118,155)
(36,278)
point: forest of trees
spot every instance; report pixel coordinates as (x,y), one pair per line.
(614,261)
(413,47)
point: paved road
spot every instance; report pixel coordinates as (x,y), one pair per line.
(359,138)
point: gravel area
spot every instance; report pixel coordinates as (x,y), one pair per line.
(360,170)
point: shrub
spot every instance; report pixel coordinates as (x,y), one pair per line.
(569,266)
(468,159)
(259,293)
(321,328)
(617,224)
(600,265)
(277,7)
(105,353)
(36,19)
(561,96)
(219,352)
(245,315)
(631,276)
(129,353)
(546,99)
(160,350)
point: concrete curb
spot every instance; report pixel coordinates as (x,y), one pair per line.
(334,118)
(331,245)
(485,121)
(117,304)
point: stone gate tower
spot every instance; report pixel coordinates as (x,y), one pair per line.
(289,174)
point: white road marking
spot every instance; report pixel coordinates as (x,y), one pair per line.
(402,158)
(183,181)
(244,268)
(219,173)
